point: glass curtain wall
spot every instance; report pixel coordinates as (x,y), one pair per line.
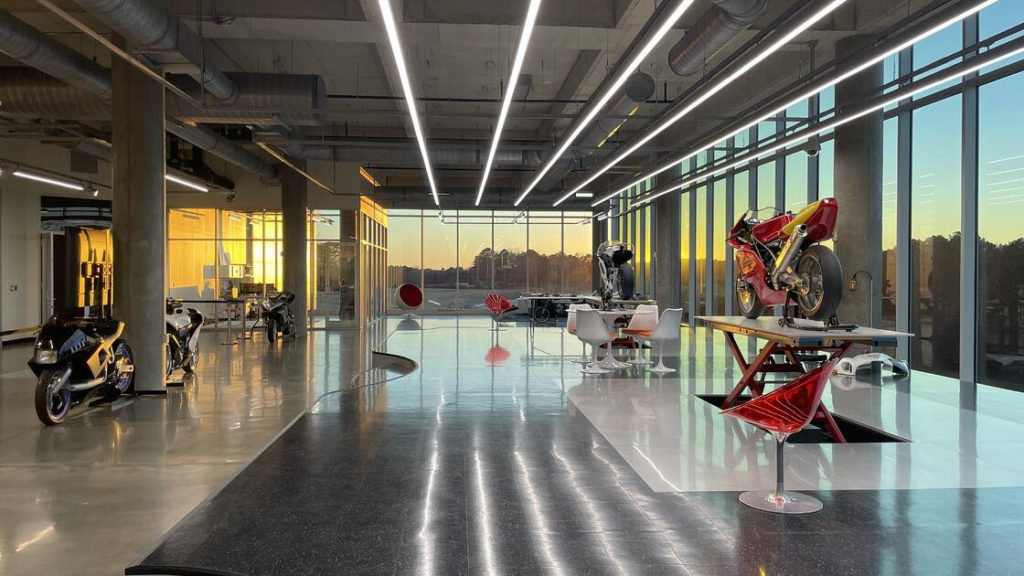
(460,257)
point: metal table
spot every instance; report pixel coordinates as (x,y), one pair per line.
(789,343)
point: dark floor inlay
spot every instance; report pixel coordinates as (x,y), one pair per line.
(854,431)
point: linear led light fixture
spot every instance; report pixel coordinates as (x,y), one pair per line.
(410,101)
(706,95)
(517,66)
(50,181)
(613,89)
(800,98)
(584,194)
(186,183)
(835,123)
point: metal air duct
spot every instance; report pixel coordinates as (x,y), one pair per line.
(716,28)
(218,145)
(148,25)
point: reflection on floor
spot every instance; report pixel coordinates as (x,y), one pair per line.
(497,456)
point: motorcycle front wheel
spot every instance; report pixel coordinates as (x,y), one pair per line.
(747,300)
(820,269)
(193,360)
(271,330)
(51,408)
(124,362)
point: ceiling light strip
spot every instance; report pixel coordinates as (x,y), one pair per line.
(186,183)
(803,96)
(50,181)
(706,95)
(403,74)
(613,89)
(835,123)
(517,65)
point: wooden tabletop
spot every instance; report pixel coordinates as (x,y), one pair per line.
(768,328)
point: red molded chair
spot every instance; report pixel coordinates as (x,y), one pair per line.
(409,297)
(498,305)
(784,411)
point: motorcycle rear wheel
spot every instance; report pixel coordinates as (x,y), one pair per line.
(825,279)
(51,409)
(747,300)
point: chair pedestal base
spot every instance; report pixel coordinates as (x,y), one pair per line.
(784,503)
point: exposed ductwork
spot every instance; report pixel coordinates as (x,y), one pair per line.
(148,25)
(290,99)
(218,145)
(26,44)
(716,28)
(404,157)
(638,89)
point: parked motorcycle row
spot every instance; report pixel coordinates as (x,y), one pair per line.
(79,360)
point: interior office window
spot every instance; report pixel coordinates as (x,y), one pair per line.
(405,250)
(685,256)
(545,251)
(718,248)
(439,261)
(700,254)
(579,250)
(935,229)
(477,258)
(890,130)
(1001,237)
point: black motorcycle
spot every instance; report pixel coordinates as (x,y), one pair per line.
(183,327)
(277,316)
(76,360)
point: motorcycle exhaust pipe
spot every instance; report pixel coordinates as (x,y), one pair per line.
(788,254)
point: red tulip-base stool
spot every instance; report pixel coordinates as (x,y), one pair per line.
(782,412)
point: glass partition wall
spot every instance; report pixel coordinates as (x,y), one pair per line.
(458,257)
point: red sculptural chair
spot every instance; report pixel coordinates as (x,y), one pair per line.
(782,412)
(409,297)
(498,305)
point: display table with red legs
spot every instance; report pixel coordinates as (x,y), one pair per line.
(786,350)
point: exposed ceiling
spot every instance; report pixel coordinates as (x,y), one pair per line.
(460,53)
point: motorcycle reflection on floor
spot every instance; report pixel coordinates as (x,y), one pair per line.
(183,327)
(782,260)
(77,360)
(276,314)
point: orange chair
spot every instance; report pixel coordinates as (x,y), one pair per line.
(498,305)
(783,412)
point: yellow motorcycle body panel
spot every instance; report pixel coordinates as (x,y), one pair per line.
(803,216)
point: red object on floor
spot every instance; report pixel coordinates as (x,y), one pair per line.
(766,363)
(789,408)
(496,355)
(497,304)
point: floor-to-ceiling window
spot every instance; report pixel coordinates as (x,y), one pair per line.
(890,257)
(935,228)
(718,290)
(439,260)
(1000,310)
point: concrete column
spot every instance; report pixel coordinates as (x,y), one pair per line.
(858,188)
(140,219)
(294,203)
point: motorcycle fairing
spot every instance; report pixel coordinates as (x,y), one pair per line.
(771,230)
(753,271)
(820,218)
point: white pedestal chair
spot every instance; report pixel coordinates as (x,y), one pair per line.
(591,329)
(666,332)
(570,327)
(642,326)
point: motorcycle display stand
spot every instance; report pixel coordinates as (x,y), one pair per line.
(790,342)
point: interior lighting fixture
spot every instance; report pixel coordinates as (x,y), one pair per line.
(584,194)
(835,123)
(710,92)
(602,216)
(403,74)
(50,181)
(506,103)
(613,89)
(186,183)
(796,100)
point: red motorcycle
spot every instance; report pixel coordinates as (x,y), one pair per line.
(781,260)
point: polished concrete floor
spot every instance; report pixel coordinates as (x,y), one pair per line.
(497,456)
